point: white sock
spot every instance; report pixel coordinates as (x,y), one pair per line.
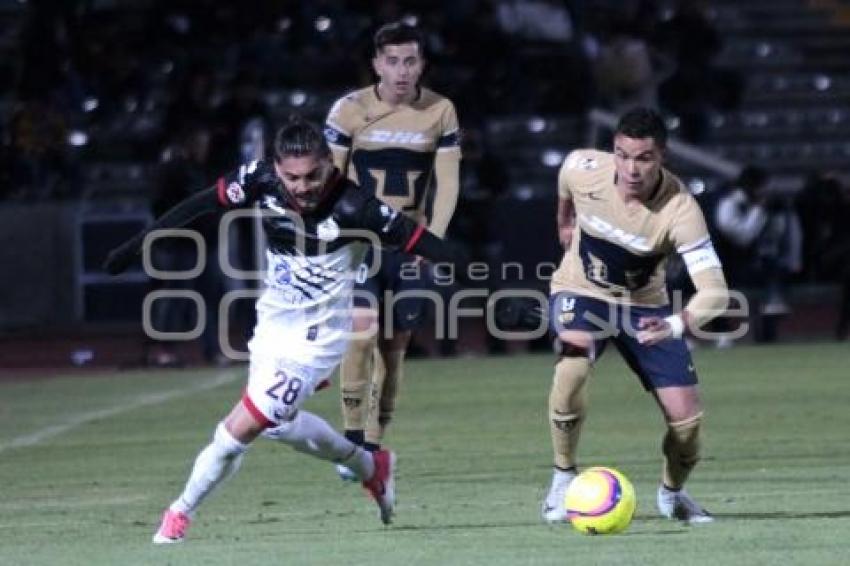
(312,435)
(560,480)
(560,477)
(217,462)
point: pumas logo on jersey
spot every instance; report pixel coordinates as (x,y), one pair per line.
(393,136)
(327,230)
(633,241)
(235,194)
(567,314)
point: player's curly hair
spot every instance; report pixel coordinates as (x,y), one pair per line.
(640,123)
(396,33)
(298,138)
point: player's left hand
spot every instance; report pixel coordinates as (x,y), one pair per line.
(652,330)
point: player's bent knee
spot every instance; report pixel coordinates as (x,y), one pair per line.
(361,346)
(574,343)
(679,403)
(364,322)
(225,442)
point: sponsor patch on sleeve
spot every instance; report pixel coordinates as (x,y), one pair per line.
(336,136)
(235,193)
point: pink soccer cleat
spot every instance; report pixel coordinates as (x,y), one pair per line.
(173,527)
(381,486)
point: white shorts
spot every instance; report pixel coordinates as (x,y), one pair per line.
(278,386)
(292,353)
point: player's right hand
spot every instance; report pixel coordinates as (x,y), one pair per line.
(652,330)
(120,258)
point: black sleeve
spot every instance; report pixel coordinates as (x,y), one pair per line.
(357,208)
(245,184)
(204,202)
(238,188)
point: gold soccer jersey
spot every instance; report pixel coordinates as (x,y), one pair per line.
(618,251)
(409,154)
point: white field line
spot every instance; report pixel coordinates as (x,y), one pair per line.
(74,421)
(76,502)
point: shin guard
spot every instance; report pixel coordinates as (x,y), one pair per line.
(387,381)
(567,408)
(355,374)
(681,447)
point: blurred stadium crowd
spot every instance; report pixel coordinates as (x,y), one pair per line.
(130,103)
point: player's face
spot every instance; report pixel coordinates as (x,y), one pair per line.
(304,178)
(638,164)
(399,68)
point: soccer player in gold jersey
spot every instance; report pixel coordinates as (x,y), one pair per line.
(620,216)
(400,140)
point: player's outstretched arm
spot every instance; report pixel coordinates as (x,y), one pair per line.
(204,202)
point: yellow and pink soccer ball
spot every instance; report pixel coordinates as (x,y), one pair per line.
(600,501)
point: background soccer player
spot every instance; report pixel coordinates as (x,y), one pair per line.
(304,314)
(400,140)
(620,215)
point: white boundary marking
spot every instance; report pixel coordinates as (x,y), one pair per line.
(74,421)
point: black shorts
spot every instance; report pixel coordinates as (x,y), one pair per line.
(400,280)
(665,364)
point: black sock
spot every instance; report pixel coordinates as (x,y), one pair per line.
(371,446)
(356,436)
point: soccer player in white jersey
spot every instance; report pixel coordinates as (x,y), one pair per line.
(317,223)
(401,139)
(620,215)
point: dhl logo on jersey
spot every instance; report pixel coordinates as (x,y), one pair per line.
(395,137)
(638,243)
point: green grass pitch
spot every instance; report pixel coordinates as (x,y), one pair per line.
(88,463)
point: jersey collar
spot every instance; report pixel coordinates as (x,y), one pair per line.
(379,99)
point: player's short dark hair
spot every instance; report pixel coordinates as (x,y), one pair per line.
(641,123)
(299,138)
(396,33)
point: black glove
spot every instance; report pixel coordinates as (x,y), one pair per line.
(121,257)
(520,313)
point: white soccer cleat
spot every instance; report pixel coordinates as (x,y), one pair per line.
(681,506)
(554,508)
(172,528)
(346,474)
